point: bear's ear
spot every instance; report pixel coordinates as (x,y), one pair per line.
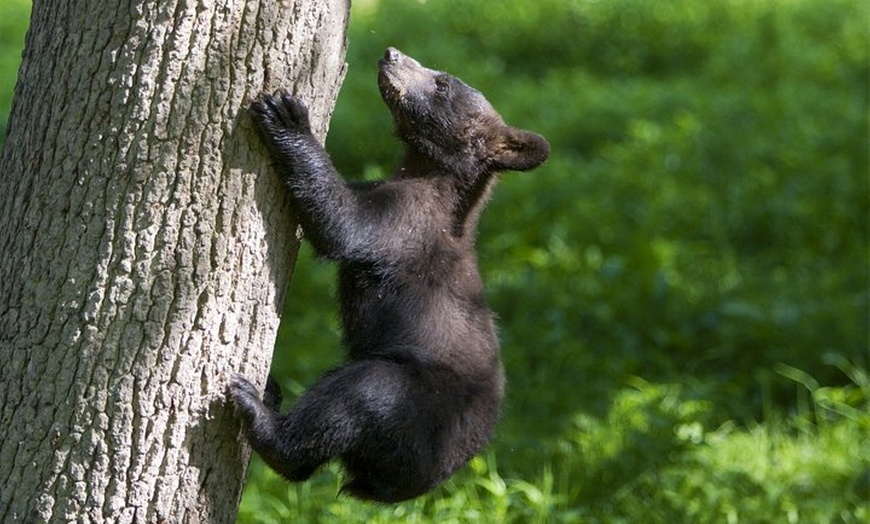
(519,150)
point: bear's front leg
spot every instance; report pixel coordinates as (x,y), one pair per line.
(325,206)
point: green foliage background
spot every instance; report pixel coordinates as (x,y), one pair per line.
(683,288)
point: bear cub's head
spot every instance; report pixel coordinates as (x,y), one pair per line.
(451,124)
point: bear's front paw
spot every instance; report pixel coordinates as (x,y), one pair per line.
(280,112)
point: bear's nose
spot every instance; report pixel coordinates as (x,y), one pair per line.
(392,54)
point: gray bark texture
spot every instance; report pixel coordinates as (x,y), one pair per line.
(145,249)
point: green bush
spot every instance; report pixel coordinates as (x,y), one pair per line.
(701,224)
(14,15)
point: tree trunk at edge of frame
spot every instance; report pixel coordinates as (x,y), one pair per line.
(145,249)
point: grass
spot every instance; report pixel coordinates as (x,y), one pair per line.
(650,459)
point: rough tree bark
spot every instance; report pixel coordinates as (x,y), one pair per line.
(145,247)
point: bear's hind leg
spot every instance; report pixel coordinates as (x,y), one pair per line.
(267,434)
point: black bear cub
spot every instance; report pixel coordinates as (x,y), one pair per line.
(420,393)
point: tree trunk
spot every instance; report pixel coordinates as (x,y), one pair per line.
(145,248)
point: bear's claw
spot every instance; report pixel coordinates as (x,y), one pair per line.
(280,111)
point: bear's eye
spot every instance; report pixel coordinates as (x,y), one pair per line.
(441,86)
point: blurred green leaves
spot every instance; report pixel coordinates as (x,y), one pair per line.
(14,16)
(702,224)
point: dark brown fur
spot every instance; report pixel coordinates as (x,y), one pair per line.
(421,390)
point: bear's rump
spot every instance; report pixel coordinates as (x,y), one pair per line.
(422,425)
